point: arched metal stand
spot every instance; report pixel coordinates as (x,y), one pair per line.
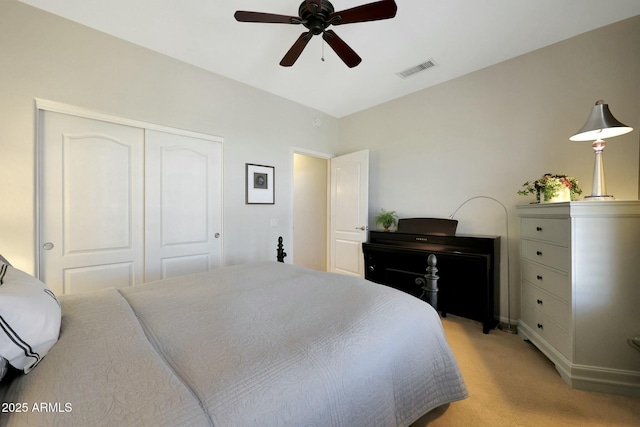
(505,327)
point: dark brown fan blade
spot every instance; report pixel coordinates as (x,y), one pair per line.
(269,18)
(384,9)
(294,53)
(341,49)
(314,6)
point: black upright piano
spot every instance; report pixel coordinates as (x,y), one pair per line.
(468,266)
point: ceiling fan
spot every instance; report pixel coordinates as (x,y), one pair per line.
(317,15)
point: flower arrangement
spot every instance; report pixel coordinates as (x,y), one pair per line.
(550,185)
(387,218)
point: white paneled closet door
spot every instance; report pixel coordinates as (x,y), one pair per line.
(183,195)
(121,204)
(91,204)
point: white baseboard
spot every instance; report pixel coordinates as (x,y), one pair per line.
(583,377)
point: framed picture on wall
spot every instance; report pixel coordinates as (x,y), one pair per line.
(260,184)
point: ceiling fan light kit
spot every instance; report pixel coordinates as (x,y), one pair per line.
(316,16)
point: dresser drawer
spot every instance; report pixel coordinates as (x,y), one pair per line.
(549,280)
(550,230)
(543,253)
(548,305)
(547,329)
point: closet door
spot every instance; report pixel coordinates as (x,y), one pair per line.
(183,205)
(91,203)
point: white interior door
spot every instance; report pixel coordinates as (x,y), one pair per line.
(91,204)
(349,212)
(183,205)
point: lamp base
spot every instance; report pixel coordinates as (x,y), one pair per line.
(603,198)
(508,328)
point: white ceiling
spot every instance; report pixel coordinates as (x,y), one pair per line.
(460,36)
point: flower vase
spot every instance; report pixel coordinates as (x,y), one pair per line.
(564,195)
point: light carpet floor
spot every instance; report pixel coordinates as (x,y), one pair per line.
(513,384)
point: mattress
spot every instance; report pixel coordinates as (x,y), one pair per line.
(264,344)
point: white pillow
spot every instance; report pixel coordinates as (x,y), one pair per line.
(3,367)
(29,318)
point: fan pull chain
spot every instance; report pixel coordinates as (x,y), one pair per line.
(322,58)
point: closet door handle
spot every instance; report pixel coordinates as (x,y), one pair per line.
(48,246)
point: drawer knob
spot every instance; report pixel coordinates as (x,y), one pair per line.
(539,301)
(540,326)
(372,268)
(539,277)
(538,228)
(538,253)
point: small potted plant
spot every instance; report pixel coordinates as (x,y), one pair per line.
(548,188)
(386,219)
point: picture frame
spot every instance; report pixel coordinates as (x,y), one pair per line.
(260,184)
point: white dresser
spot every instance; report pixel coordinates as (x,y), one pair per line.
(580,290)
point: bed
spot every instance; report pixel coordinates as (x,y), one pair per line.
(263,344)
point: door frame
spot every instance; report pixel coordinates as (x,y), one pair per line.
(330,201)
(42,105)
(320,155)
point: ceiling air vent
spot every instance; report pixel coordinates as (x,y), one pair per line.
(413,70)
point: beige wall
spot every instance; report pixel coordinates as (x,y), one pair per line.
(481,134)
(488,132)
(310,211)
(44,56)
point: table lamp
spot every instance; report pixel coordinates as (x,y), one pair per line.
(600,124)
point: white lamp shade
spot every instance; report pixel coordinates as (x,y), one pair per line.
(600,124)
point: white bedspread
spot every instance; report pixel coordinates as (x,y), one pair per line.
(265,344)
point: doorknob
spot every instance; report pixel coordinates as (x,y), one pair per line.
(217,235)
(47,246)
(361,228)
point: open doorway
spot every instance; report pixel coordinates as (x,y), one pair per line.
(310,210)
